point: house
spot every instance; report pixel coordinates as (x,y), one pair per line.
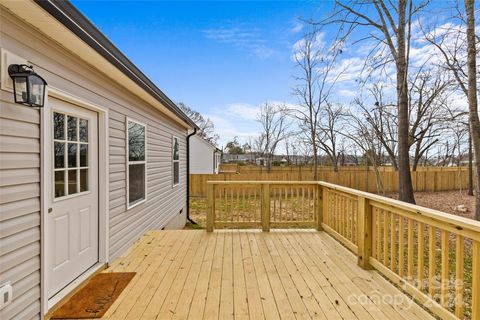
(204,156)
(238,158)
(83,177)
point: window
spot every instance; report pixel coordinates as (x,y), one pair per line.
(136,163)
(176,161)
(70,148)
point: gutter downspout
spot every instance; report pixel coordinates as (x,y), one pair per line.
(188,176)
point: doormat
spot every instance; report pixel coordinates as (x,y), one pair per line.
(94,299)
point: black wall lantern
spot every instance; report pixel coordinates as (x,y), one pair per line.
(28,87)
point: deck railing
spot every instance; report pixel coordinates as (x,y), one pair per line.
(431,255)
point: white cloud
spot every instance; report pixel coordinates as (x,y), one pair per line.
(297,27)
(244,110)
(228,128)
(242,38)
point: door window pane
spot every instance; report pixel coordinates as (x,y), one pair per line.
(59,154)
(83,129)
(72,181)
(136,142)
(83,180)
(72,155)
(72,128)
(83,155)
(59,184)
(136,183)
(58,126)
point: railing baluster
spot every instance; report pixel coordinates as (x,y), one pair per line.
(410,255)
(385,237)
(431,260)
(459,275)
(303,203)
(476,280)
(379,234)
(444,266)
(348,234)
(274,192)
(420,255)
(243,202)
(393,239)
(374,233)
(401,246)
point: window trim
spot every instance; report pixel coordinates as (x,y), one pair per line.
(173,161)
(128,162)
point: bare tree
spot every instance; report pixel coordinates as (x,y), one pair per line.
(429,111)
(382,120)
(454,43)
(327,135)
(207,128)
(472,97)
(361,132)
(273,119)
(317,75)
(390,24)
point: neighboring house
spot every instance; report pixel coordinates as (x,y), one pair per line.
(204,156)
(244,157)
(82,178)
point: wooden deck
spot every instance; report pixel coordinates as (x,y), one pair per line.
(294,274)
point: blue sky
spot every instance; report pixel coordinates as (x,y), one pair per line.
(221,58)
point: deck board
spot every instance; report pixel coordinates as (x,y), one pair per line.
(247,274)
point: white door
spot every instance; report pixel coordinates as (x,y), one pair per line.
(71,232)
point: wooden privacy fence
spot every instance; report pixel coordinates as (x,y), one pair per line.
(424,180)
(431,255)
(233,167)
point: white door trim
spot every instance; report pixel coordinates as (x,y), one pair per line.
(46,181)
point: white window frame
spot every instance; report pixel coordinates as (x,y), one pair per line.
(173,161)
(128,163)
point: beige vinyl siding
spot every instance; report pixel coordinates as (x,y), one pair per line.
(164,201)
(20,163)
(20,207)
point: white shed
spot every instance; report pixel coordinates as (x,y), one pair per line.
(204,157)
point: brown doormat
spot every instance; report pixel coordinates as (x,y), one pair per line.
(94,299)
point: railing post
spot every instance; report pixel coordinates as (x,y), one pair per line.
(325,208)
(319,207)
(476,280)
(364,233)
(210,207)
(265,214)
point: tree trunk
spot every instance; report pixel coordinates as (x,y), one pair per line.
(315,160)
(470,165)
(474,121)
(405,178)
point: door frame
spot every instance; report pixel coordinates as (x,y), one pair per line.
(46,190)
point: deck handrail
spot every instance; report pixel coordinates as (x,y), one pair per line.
(386,234)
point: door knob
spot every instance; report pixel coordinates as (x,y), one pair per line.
(50,210)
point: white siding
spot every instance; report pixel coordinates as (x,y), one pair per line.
(20,185)
(201,156)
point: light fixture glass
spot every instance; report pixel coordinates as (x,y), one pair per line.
(28,87)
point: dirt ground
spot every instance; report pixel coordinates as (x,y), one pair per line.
(445,201)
